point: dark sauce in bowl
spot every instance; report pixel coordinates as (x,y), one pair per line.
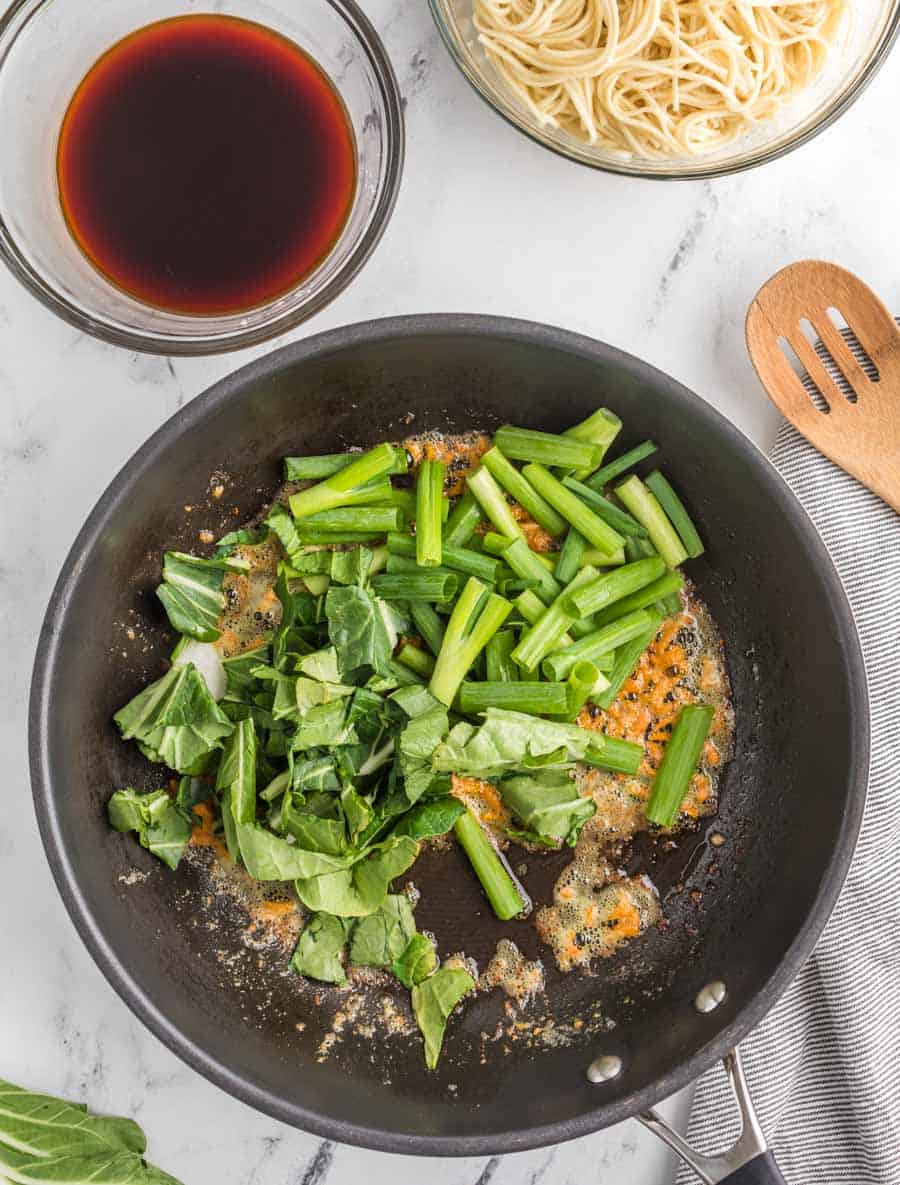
(206,165)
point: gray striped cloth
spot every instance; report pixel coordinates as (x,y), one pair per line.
(824,1066)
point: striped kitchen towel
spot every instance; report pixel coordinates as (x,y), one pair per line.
(824,1066)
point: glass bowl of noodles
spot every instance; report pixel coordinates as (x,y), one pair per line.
(669,88)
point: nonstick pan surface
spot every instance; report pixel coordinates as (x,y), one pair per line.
(791,799)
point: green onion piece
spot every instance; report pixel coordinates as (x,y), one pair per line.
(400,563)
(506,898)
(523,491)
(548,631)
(621,464)
(499,667)
(670,605)
(482,484)
(626,660)
(417,660)
(416,586)
(315,468)
(531,608)
(405,676)
(429,497)
(670,584)
(603,590)
(379,559)
(610,637)
(428,624)
(353,518)
(317,583)
(599,559)
(607,752)
(459,559)
(333,491)
(523,561)
(547,558)
(638,549)
(645,508)
(559,452)
(618,519)
(539,699)
(584,680)
(464,518)
(312,536)
(493,543)
(476,617)
(673,778)
(600,428)
(675,509)
(511,586)
(570,555)
(405,500)
(594,529)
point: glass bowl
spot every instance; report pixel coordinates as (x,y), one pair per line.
(47,47)
(874,30)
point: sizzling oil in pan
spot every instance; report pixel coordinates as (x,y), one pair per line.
(588,906)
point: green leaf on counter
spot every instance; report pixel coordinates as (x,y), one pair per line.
(433,1000)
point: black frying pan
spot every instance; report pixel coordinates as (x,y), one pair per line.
(791,803)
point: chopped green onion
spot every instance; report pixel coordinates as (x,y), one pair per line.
(626,660)
(594,529)
(539,699)
(670,605)
(459,559)
(475,619)
(623,757)
(400,563)
(532,608)
(618,519)
(523,491)
(313,536)
(428,624)
(638,549)
(334,490)
(570,555)
(546,634)
(587,598)
(677,513)
(679,761)
(506,898)
(645,508)
(523,561)
(416,586)
(557,666)
(584,680)
(600,559)
(316,468)
(417,660)
(499,667)
(559,452)
(494,543)
(429,498)
(621,464)
(670,584)
(379,519)
(464,518)
(482,484)
(406,501)
(404,676)
(600,428)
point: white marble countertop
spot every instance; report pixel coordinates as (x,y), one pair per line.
(662,270)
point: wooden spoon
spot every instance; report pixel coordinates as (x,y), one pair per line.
(858,426)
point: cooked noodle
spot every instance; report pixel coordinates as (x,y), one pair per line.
(658,78)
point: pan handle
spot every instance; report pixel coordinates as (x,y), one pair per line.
(747,1162)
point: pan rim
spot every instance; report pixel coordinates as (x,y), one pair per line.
(131,991)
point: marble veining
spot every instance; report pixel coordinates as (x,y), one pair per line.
(486,222)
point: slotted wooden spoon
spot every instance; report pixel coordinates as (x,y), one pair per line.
(857,425)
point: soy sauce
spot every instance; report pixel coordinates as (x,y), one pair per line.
(206,165)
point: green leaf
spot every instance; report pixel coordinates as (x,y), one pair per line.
(314,831)
(237,771)
(323,727)
(360,889)
(298,631)
(509,741)
(428,819)
(417,962)
(351,567)
(268,857)
(357,812)
(318,953)
(175,721)
(44,1139)
(549,805)
(192,594)
(245,536)
(360,628)
(321,665)
(240,682)
(417,742)
(382,937)
(414,701)
(161,827)
(281,524)
(433,1000)
(315,773)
